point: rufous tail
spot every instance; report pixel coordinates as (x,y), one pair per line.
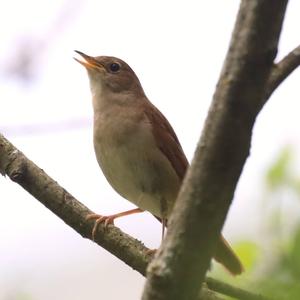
(225,256)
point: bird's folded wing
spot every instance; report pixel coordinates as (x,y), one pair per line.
(167,140)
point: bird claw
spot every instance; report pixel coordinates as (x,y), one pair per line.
(107,220)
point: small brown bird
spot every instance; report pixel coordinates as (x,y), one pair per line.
(136,147)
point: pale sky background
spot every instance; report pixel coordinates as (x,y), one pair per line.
(177,50)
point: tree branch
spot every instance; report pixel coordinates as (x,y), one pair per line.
(229,290)
(34,180)
(21,170)
(207,191)
(282,70)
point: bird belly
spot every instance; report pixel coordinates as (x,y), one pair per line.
(139,171)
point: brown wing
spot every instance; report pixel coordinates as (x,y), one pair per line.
(167,140)
(168,143)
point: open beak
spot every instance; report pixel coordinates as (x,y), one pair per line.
(89,62)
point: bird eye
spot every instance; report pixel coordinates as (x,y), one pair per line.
(114,67)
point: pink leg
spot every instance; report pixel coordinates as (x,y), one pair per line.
(164,226)
(109,219)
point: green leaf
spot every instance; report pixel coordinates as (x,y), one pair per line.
(294,254)
(248,252)
(279,173)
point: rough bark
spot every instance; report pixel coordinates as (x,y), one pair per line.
(34,180)
(208,188)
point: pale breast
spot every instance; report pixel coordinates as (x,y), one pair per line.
(133,165)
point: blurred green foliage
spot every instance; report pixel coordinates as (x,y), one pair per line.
(273,265)
(248,253)
(279,173)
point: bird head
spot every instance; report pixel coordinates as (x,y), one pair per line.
(110,74)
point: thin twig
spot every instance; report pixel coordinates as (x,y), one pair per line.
(282,70)
(229,290)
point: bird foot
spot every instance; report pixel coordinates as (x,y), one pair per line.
(100,219)
(109,219)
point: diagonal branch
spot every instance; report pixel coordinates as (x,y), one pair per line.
(20,169)
(209,185)
(282,70)
(231,291)
(34,180)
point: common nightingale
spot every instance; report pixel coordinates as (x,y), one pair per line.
(136,147)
